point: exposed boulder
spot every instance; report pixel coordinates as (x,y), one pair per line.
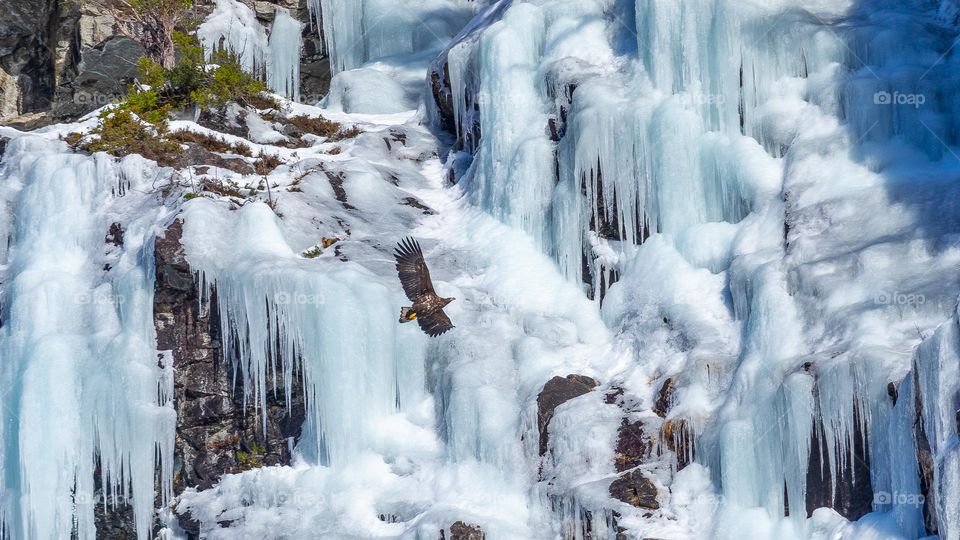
(664,398)
(635,489)
(27,75)
(462,531)
(633,446)
(556,392)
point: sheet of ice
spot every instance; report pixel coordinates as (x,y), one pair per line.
(283,64)
(83,384)
(358,31)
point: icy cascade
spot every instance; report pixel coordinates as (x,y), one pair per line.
(78,345)
(757,145)
(665,154)
(290,317)
(283,67)
(358,31)
(234,26)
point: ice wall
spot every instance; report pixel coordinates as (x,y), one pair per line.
(770,161)
(83,387)
(358,31)
(330,324)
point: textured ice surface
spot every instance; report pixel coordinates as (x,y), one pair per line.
(82,382)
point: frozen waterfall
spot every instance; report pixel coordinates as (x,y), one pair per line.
(83,388)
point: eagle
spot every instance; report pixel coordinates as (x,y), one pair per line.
(427,308)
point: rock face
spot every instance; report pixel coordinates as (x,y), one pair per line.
(852,496)
(462,531)
(215,433)
(60,59)
(556,392)
(635,489)
(27,76)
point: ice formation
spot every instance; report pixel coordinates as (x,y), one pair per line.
(283,66)
(82,385)
(234,26)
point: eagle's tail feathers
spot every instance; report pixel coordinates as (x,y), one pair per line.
(407,314)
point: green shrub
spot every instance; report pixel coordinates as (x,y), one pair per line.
(228,82)
(120,133)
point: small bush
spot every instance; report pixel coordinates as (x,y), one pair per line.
(121,133)
(318,126)
(266,163)
(313,252)
(349,133)
(228,82)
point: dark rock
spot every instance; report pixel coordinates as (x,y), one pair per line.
(633,446)
(635,489)
(415,203)
(676,433)
(556,392)
(614,396)
(443,97)
(115,235)
(462,531)
(892,392)
(664,398)
(850,493)
(27,74)
(925,460)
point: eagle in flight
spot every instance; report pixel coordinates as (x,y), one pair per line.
(427,308)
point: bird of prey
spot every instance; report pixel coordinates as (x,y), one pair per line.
(427,308)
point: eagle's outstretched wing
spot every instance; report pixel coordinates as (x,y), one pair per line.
(435,324)
(414,275)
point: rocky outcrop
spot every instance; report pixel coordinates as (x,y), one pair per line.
(215,433)
(27,36)
(60,59)
(635,489)
(556,392)
(462,531)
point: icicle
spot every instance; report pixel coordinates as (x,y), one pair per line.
(286,314)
